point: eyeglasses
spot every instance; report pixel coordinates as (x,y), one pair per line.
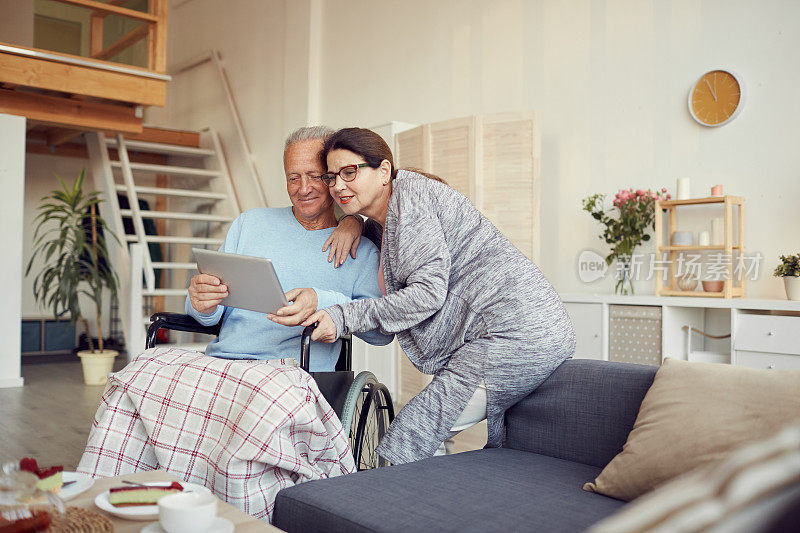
(347,173)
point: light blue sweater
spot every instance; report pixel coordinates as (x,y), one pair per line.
(299,261)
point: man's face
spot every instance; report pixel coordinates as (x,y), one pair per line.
(308,193)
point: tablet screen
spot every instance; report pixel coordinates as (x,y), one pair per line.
(252,281)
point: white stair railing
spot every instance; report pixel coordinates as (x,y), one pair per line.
(136,338)
(100,167)
(200,173)
(133,201)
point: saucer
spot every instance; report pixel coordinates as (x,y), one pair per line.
(219,525)
(79,483)
(141,512)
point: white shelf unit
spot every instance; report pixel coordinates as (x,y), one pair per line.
(763,333)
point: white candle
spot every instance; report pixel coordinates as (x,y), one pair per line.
(717,228)
(705,239)
(683,189)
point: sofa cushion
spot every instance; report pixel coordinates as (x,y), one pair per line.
(747,491)
(696,413)
(485,490)
(583,412)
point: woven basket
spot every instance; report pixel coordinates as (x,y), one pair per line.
(78,520)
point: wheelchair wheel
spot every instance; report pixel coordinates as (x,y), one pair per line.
(367,413)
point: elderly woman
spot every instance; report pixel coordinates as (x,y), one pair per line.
(466,305)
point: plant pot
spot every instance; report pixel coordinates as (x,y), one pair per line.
(97,365)
(792,286)
(714,286)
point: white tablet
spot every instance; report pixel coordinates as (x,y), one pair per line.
(252,281)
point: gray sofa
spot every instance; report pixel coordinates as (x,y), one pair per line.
(557,438)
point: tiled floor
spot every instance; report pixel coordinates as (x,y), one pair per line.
(50,417)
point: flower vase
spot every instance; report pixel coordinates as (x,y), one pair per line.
(624,284)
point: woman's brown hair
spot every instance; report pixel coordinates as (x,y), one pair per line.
(367,144)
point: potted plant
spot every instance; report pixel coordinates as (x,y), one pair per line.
(70,240)
(626,226)
(789,270)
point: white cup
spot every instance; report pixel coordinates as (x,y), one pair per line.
(190,512)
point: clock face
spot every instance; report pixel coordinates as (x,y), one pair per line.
(716,98)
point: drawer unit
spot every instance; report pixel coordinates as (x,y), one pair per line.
(587,319)
(776,361)
(768,333)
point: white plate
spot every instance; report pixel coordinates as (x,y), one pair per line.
(141,512)
(82,482)
(220,525)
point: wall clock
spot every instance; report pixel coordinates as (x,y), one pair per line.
(716,98)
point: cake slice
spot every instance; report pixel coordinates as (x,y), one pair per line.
(49,478)
(141,494)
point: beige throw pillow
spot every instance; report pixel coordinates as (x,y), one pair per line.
(695,413)
(718,494)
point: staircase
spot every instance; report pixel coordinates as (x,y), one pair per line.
(171,195)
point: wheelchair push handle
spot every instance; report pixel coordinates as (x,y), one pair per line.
(305,345)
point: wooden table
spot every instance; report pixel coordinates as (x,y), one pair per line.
(244,523)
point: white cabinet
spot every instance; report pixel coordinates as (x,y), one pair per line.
(767,341)
(588,321)
(768,333)
(777,361)
(763,333)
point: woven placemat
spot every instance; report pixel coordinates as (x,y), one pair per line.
(78,520)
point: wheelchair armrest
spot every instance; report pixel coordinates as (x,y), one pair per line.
(177,322)
(305,345)
(345,361)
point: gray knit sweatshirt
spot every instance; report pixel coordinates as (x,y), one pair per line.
(466,306)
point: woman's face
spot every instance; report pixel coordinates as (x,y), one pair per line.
(361,195)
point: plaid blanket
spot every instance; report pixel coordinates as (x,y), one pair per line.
(244,429)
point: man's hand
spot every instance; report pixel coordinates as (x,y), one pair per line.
(206,292)
(344,238)
(326,329)
(304,303)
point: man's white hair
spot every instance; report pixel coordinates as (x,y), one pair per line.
(308,133)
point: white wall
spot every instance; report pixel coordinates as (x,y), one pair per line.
(250,36)
(609,77)
(611,80)
(12,181)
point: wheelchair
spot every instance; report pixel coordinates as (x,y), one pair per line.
(361,402)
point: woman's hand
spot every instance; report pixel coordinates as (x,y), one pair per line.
(206,292)
(344,238)
(326,329)
(304,303)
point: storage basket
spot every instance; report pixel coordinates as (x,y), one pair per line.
(635,335)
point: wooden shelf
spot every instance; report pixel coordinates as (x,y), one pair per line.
(668,204)
(736,281)
(736,292)
(683,248)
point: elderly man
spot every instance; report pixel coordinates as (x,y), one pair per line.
(247,421)
(293,238)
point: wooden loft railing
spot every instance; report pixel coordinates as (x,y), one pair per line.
(88,93)
(154,27)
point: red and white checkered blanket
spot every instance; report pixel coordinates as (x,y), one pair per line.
(244,429)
